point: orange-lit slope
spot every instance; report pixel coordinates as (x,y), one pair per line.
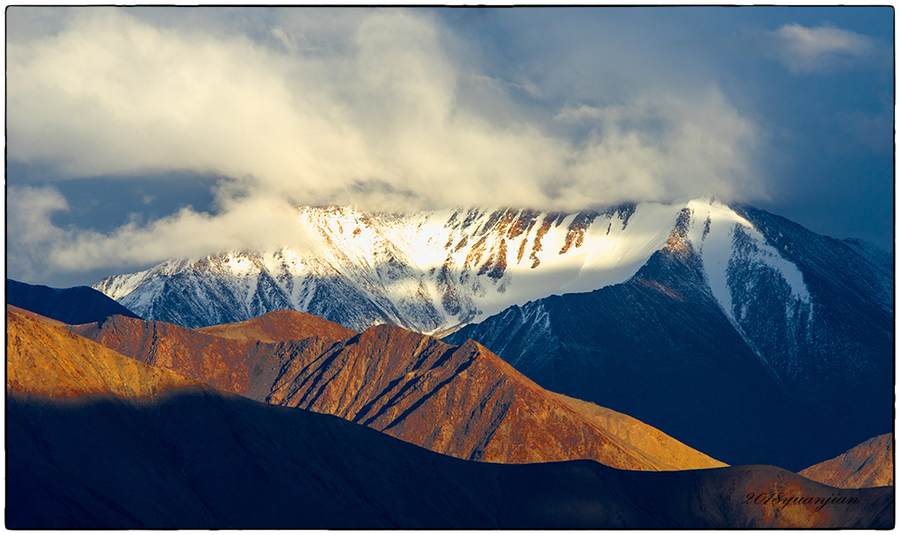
(149,454)
(34,315)
(870,464)
(280,326)
(46,360)
(462,401)
(240,366)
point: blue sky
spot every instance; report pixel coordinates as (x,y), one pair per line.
(139,134)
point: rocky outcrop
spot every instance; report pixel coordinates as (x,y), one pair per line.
(871,464)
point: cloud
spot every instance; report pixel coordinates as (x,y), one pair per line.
(378,114)
(806,50)
(29,231)
(659,147)
(37,248)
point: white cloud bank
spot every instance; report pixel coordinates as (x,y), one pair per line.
(806,50)
(372,117)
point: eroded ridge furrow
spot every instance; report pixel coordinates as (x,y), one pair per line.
(445,355)
(499,411)
(319,377)
(375,374)
(428,395)
(287,377)
(424,363)
(394,401)
(379,401)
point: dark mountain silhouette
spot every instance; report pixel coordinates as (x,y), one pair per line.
(461,401)
(870,464)
(73,306)
(99,441)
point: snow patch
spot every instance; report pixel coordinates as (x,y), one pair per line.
(715,237)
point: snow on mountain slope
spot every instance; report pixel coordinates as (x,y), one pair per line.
(433,272)
(740,267)
(428,271)
(733,241)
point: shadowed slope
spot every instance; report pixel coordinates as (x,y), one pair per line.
(462,401)
(280,326)
(871,464)
(196,458)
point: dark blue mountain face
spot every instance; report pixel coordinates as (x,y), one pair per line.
(848,344)
(778,382)
(73,306)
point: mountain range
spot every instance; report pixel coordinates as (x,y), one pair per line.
(677,314)
(99,440)
(461,401)
(596,360)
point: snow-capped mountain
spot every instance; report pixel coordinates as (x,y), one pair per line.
(436,271)
(430,271)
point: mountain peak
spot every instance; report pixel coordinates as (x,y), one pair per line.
(279,326)
(68,305)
